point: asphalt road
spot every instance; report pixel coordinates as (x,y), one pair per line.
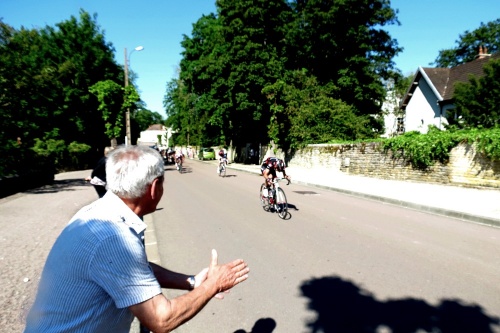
(339,264)
(29,224)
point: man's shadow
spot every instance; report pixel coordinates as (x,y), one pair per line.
(263,325)
(341,306)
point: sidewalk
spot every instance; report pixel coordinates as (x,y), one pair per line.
(469,204)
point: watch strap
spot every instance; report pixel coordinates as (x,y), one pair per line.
(192,281)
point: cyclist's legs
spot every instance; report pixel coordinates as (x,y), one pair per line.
(220,164)
(268,175)
(264,172)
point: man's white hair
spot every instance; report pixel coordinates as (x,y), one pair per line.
(131,169)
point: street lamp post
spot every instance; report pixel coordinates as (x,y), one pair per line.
(128,137)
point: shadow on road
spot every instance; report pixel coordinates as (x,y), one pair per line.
(185,169)
(263,325)
(341,306)
(60,185)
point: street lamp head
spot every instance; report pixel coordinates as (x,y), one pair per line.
(139,48)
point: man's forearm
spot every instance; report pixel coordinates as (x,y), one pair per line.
(163,315)
(160,314)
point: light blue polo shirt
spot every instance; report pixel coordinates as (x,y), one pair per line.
(96,269)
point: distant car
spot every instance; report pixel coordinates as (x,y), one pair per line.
(206,154)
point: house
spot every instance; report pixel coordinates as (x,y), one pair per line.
(156,135)
(429,99)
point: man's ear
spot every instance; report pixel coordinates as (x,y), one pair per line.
(154,188)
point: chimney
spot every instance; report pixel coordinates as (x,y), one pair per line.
(483,52)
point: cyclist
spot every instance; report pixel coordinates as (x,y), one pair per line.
(222,159)
(179,156)
(269,168)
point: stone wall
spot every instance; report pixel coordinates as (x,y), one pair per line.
(466,167)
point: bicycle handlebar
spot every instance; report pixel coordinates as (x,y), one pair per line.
(277,179)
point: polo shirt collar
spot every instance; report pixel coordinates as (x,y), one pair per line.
(125,213)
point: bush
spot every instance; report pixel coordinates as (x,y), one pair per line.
(423,150)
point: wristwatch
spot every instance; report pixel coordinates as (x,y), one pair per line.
(192,281)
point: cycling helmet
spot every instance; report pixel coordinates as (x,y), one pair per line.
(277,164)
(221,153)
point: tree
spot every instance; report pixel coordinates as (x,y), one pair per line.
(478,102)
(254,32)
(45,79)
(237,61)
(304,112)
(145,118)
(180,109)
(487,35)
(83,58)
(342,42)
(110,96)
(227,62)
(198,100)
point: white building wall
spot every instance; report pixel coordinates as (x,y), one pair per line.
(423,109)
(389,108)
(390,125)
(150,137)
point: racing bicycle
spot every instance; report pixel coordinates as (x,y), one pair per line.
(222,168)
(178,162)
(275,201)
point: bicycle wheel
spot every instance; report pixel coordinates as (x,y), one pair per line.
(281,203)
(222,171)
(180,167)
(264,201)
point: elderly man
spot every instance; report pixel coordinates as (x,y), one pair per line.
(97,277)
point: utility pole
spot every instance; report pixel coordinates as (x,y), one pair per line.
(128,136)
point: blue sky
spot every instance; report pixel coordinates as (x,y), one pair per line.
(427,26)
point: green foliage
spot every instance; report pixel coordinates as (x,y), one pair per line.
(478,102)
(45,76)
(423,150)
(78,148)
(78,153)
(145,118)
(304,112)
(487,140)
(11,155)
(62,156)
(234,61)
(343,42)
(487,35)
(50,148)
(131,97)
(110,96)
